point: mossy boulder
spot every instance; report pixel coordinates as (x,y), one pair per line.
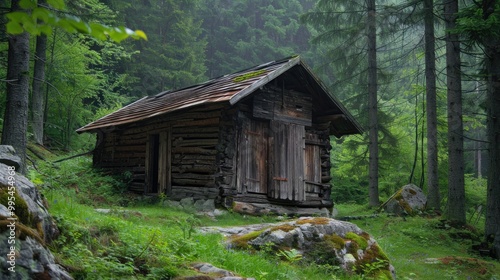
(323,241)
(26,228)
(409,200)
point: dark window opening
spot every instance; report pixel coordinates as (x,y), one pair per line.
(154,152)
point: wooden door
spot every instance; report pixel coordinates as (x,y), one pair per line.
(252,159)
(312,165)
(158,163)
(286,156)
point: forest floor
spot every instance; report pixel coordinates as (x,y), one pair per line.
(139,238)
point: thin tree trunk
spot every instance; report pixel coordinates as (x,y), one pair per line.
(415,152)
(433,198)
(372,103)
(16,112)
(49,71)
(456,186)
(37,104)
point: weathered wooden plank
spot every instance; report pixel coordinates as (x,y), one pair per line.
(194,157)
(163,164)
(196,176)
(195,130)
(283,105)
(208,169)
(196,135)
(192,182)
(193,150)
(198,122)
(179,142)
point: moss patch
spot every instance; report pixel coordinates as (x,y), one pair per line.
(241,241)
(314,221)
(23,231)
(360,240)
(284,227)
(248,75)
(21,208)
(374,263)
(337,241)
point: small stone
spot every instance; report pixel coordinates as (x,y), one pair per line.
(218,212)
(187,203)
(432,261)
(349,259)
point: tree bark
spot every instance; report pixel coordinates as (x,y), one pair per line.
(456,186)
(16,112)
(372,103)
(492,63)
(433,198)
(37,104)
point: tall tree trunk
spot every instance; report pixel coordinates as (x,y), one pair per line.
(37,106)
(372,103)
(492,227)
(16,112)
(456,187)
(433,199)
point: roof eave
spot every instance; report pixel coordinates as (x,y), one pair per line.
(90,128)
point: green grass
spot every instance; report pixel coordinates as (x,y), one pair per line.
(141,239)
(414,243)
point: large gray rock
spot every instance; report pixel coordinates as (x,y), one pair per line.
(8,156)
(321,240)
(29,228)
(410,200)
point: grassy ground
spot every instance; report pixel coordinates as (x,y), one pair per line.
(426,247)
(141,239)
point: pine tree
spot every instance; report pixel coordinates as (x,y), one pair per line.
(456,185)
(433,196)
(16,113)
(477,23)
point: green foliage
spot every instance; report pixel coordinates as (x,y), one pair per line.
(475,190)
(87,185)
(41,19)
(291,256)
(173,57)
(188,226)
(477,26)
(150,241)
(361,241)
(375,270)
(243,33)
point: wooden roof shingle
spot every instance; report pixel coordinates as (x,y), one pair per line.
(229,88)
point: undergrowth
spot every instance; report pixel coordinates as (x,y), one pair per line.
(140,238)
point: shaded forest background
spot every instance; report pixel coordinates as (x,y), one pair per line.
(191,41)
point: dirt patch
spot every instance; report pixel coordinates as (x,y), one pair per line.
(477,266)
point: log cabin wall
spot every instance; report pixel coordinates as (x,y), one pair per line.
(192,150)
(225,178)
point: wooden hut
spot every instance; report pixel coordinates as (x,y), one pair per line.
(261,135)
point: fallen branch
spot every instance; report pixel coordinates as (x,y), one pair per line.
(33,151)
(74,156)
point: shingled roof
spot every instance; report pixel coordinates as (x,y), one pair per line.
(229,88)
